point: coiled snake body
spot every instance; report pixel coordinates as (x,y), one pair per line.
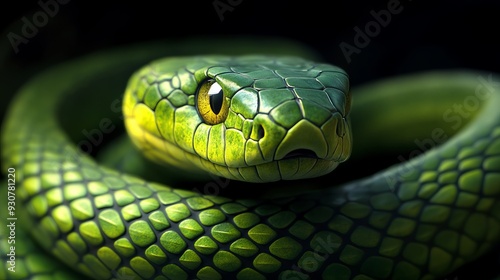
(258,119)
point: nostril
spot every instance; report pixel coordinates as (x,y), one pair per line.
(341,129)
(260,132)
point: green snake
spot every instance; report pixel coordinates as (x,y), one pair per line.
(271,127)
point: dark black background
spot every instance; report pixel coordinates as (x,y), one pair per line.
(423,36)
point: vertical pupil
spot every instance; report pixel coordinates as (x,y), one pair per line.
(216,101)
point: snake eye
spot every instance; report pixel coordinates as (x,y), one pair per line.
(211,102)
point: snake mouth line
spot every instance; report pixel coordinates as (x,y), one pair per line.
(300,153)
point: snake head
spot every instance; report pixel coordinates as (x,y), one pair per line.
(251,118)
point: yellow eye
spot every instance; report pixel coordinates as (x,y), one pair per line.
(211,102)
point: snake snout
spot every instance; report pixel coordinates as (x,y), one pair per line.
(304,139)
(330,141)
